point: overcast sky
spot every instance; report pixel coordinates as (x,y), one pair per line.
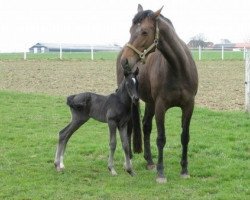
(26,22)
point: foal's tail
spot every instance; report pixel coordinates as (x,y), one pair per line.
(71,103)
(137,136)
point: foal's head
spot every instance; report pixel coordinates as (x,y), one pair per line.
(143,37)
(131,84)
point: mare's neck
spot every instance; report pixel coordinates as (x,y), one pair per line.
(171,46)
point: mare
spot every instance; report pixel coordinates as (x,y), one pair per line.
(114,109)
(167,78)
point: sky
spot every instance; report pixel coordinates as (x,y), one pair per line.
(24,23)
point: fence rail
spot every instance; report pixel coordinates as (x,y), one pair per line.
(197,53)
(219,53)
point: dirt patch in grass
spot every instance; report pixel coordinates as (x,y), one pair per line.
(221,83)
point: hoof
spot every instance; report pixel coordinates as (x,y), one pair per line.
(59,167)
(151,167)
(112,172)
(131,172)
(185,176)
(161,180)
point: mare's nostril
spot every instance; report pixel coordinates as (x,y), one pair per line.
(124,62)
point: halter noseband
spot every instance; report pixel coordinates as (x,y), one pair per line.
(143,54)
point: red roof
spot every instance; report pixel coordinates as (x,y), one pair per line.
(242,45)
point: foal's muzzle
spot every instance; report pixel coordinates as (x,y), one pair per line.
(135,99)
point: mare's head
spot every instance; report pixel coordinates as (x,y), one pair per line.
(131,84)
(144,35)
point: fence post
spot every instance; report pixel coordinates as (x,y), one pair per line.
(244,53)
(199,52)
(247,83)
(24,55)
(92,53)
(222,52)
(60,51)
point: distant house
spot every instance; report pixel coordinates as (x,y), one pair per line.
(232,46)
(54,47)
(228,46)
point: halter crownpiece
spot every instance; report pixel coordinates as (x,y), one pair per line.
(143,54)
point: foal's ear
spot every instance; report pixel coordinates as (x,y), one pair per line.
(139,8)
(136,71)
(126,72)
(158,12)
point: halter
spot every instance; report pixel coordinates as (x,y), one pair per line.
(143,54)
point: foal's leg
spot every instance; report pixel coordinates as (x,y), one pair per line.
(147,128)
(129,133)
(78,118)
(125,146)
(187,112)
(112,146)
(161,140)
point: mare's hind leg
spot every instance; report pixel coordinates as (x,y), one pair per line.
(112,146)
(147,128)
(187,112)
(125,146)
(78,118)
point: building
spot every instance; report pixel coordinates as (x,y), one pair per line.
(54,47)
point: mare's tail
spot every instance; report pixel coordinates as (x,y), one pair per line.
(137,136)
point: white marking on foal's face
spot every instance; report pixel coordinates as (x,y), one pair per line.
(134,80)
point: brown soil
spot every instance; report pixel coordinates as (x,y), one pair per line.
(221,83)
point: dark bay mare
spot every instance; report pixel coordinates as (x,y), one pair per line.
(114,109)
(167,78)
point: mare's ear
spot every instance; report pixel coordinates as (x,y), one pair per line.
(158,12)
(136,71)
(139,8)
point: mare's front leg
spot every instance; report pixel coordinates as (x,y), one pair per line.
(112,146)
(147,128)
(161,140)
(78,119)
(125,146)
(187,112)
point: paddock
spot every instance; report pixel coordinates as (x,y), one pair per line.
(33,110)
(221,83)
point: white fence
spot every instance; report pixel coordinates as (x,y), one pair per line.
(247,82)
(220,53)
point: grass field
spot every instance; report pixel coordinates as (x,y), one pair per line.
(206,55)
(218,157)
(55,56)
(33,111)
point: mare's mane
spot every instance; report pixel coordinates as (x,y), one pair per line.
(140,16)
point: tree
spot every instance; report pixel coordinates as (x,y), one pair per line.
(197,40)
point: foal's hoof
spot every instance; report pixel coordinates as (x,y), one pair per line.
(131,172)
(185,176)
(112,171)
(59,167)
(161,180)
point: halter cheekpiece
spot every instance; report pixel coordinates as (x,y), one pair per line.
(143,54)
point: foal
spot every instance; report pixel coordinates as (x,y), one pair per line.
(114,109)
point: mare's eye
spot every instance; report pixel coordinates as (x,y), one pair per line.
(144,33)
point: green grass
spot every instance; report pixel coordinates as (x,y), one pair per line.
(29,124)
(99,55)
(206,55)
(216,55)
